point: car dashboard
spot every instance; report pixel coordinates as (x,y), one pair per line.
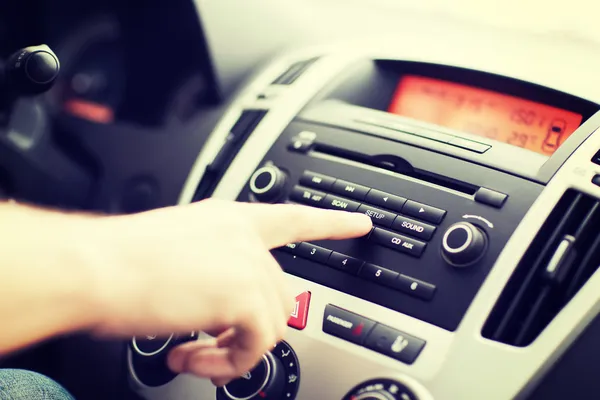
(475,152)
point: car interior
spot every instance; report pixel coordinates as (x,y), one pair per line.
(466,130)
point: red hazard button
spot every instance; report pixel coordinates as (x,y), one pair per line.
(299,316)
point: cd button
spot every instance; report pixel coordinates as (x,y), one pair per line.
(317,181)
(345,263)
(423,211)
(378,216)
(377,274)
(312,252)
(413,228)
(386,200)
(350,189)
(307,196)
(415,287)
(398,242)
(339,203)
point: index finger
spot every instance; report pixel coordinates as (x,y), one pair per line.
(280,224)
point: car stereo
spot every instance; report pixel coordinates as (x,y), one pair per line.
(457,168)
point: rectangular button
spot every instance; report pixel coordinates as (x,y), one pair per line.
(345,263)
(469,145)
(398,242)
(312,252)
(299,316)
(415,287)
(308,196)
(317,181)
(386,200)
(350,189)
(377,274)
(413,228)
(394,343)
(346,325)
(596,158)
(339,203)
(378,216)
(490,197)
(291,248)
(423,211)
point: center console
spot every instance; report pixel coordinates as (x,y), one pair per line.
(483,192)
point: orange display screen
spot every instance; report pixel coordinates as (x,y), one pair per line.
(497,116)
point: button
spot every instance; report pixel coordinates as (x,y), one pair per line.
(150,345)
(423,211)
(415,287)
(299,316)
(394,343)
(596,158)
(469,145)
(308,196)
(317,181)
(386,200)
(250,383)
(345,263)
(596,180)
(350,189)
(312,252)
(398,242)
(346,325)
(291,248)
(375,273)
(413,228)
(339,203)
(378,216)
(490,197)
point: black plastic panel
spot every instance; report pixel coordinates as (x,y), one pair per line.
(455,287)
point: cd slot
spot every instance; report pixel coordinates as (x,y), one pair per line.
(394,164)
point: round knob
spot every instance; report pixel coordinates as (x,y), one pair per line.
(150,345)
(463,244)
(32,70)
(382,395)
(266,380)
(267,183)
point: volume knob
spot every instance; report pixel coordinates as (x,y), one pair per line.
(267,184)
(463,244)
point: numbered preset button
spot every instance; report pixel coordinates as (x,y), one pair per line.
(345,263)
(312,252)
(375,273)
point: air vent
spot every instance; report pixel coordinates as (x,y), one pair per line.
(294,72)
(238,135)
(562,257)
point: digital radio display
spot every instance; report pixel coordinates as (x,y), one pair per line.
(494,115)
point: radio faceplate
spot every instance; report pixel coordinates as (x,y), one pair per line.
(400,264)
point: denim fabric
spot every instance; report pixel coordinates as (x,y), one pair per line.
(17,384)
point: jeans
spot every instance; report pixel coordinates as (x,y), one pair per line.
(17,384)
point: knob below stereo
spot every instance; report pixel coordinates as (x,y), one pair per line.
(463,244)
(381,389)
(267,184)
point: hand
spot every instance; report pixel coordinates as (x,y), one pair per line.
(207,266)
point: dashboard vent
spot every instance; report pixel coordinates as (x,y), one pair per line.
(294,72)
(562,257)
(238,135)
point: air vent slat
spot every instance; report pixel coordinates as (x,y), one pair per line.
(563,256)
(294,72)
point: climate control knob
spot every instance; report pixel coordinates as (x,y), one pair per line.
(381,389)
(267,184)
(463,244)
(266,380)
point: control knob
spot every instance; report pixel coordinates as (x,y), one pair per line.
(265,381)
(31,70)
(267,184)
(381,389)
(463,244)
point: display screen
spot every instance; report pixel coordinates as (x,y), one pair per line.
(519,122)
